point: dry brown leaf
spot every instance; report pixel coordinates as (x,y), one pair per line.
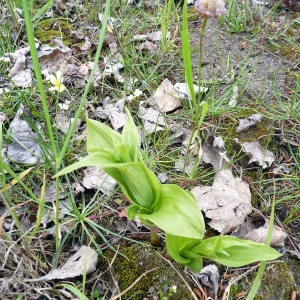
(166,98)
(95,178)
(245,124)
(183,91)
(227,202)
(248,231)
(148,46)
(257,153)
(214,152)
(153,120)
(25,148)
(83,261)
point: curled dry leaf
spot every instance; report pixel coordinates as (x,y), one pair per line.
(64,123)
(25,148)
(153,120)
(214,152)
(209,276)
(23,79)
(257,153)
(83,261)
(248,231)
(166,98)
(227,202)
(183,90)
(113,112)
(156,36)
(95,178)
(19,66)
(148,46)
(245,124)
(20,74)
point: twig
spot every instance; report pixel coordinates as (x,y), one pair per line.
(133,284)
(196,282)
(187,285)
(233,281)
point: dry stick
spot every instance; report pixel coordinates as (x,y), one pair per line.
(133,284)
(109,268)
(231,282)
(189,288)
(196,282)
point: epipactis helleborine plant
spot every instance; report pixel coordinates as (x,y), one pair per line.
(166,206)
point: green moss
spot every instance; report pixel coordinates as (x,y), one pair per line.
(286,51)
(54,28)
(193,15)
(278,281)
(262,132)
(140,259)
(291,78)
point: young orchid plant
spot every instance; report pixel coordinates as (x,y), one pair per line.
(166,206)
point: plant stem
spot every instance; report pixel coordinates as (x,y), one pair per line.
(263,264)
(201,34)
(197,102)
(38,75)
(154,237)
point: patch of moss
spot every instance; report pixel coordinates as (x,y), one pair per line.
(262,132)
(192,13)
(139,260)
(278,282)
(291,78)
(49,29)
(286,51)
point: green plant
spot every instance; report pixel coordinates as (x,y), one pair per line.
(59,153)
(166,206)
(242,17)
(165,14)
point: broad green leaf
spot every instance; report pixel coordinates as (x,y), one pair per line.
(121,154)
(188,70)
(137,182)
(100,136)
(233,252)
(177,213)
(177,246)
(130,138)
(98,159)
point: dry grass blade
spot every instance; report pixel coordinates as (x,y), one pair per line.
(187,285)
(235,280)
(15,181)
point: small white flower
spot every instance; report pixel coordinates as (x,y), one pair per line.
(173,289)
(137,93)
(210,8)
(64,106)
